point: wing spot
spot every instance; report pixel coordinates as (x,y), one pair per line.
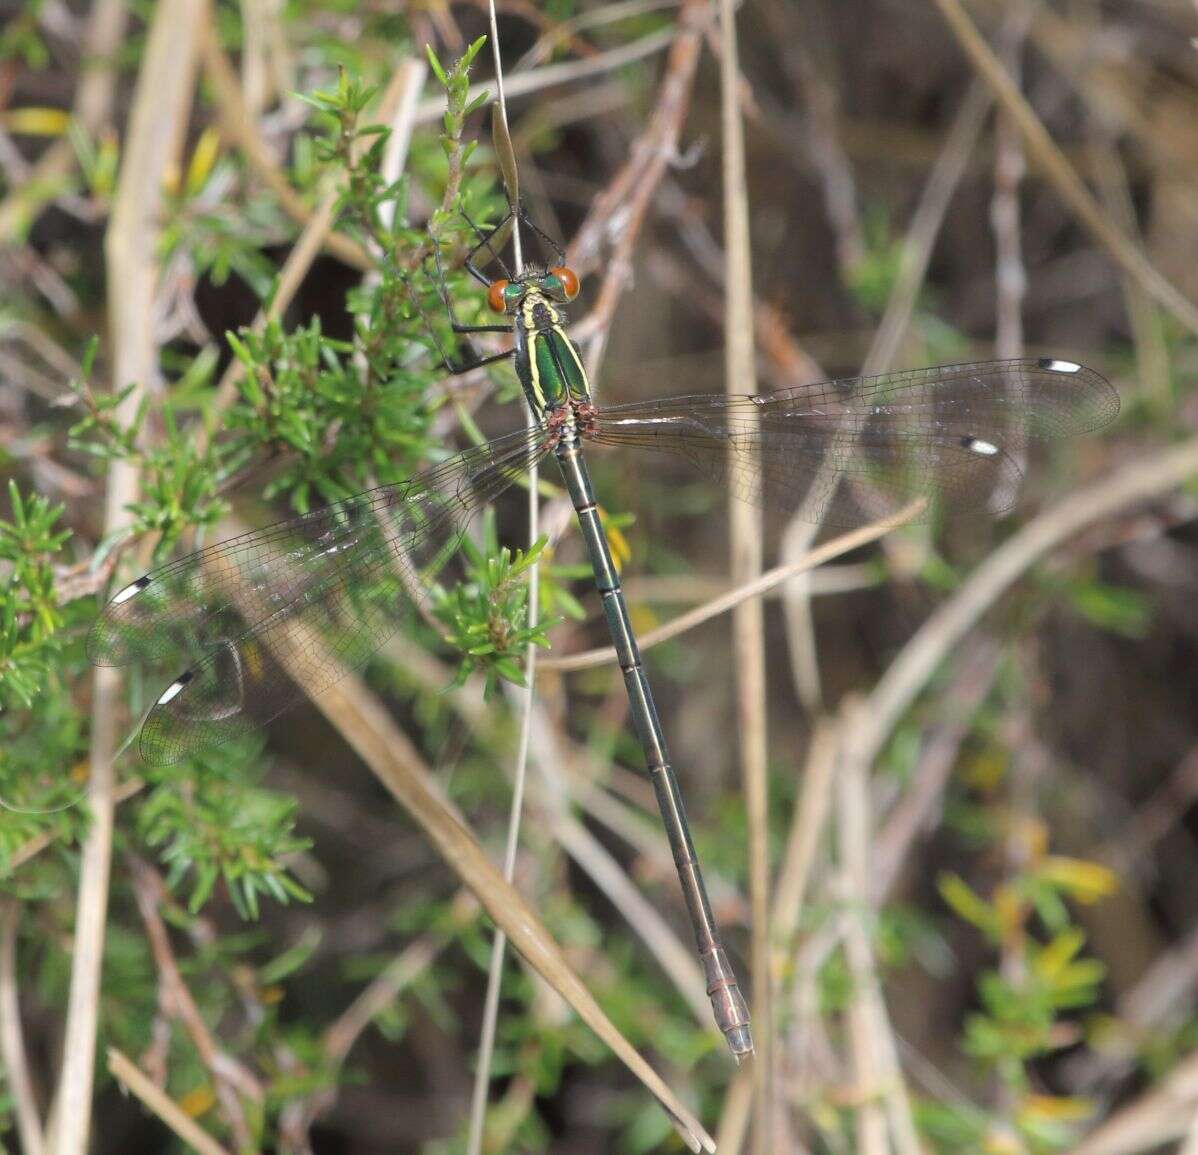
(977,445)
(175,688)
(1053,365)
(131,590)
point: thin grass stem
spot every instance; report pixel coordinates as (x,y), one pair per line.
(486,1043)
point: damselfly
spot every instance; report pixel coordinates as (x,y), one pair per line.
(848,450)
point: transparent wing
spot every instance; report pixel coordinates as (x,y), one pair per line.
(848,451)
(314,594)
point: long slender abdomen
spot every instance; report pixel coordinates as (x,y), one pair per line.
(727,1002)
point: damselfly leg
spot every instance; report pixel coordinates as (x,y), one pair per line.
(473,359)
(487,240)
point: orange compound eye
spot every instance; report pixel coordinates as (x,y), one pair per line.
(569,280)
(495,296)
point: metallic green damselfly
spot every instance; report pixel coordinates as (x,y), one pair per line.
(848,451)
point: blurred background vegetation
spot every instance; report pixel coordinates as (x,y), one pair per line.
(982,739)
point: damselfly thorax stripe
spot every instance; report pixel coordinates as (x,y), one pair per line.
(843,451)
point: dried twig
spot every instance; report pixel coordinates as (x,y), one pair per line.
(690,588)
(160,1104)
(742,593)
(567,72)
(675,958)
(399,974)
(343,1033)
(617,214)
(787,362)
(556,758)
(39,842)
(943,181)
(919,804)
(1159,813)
(821,114)
(1115,87)
(229,1077)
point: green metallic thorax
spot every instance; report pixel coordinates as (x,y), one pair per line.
(547,361)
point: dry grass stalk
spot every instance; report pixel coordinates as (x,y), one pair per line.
(852,828)
(740,594)
(156,126)
(502,139)
(676,959)
(567,72)
(1152,351)
(808,824)
(748,620)
(12,1038)
(368,728)
(807,829)
(875,1048)
(365,724)
(1173,1116)
(266,66)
